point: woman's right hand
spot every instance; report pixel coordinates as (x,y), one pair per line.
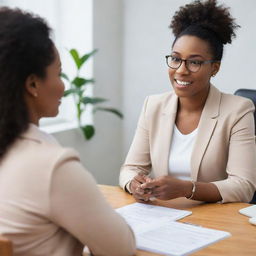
(141,195)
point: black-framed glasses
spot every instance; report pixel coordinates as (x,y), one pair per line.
(192,65)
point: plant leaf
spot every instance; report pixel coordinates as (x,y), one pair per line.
(85,57)
(63,75)
(112,110)
(75,56)
(88,131)
(71,91)
(80,81)
(91,100)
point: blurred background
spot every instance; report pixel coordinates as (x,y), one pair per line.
(132,38)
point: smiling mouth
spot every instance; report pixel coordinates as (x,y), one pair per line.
(182,83)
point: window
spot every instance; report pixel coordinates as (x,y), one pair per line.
(71,22)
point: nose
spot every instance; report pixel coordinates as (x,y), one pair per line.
(182,68)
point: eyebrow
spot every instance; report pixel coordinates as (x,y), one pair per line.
(191,56)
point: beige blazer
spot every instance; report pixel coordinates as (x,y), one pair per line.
(50,204)
(224,152)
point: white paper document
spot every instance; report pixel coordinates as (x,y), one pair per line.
(156,230)
(178,239)
(141,217)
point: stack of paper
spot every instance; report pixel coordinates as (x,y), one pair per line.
(141,217)
(157,231)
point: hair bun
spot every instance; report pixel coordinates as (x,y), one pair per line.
(208,15)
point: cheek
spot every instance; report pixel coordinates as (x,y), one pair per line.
(205,78)
(59,89)
(171,73)
(202,77)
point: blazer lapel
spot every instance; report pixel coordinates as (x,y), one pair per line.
(168,120)
(206,127)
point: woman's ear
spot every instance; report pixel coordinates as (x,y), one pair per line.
(215,68)
(31,85)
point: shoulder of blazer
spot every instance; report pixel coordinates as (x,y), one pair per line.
(47,145)
(219,104)
(165,103)
(234,107)
(235,103)
(35,134)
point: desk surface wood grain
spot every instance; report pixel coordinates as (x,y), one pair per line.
(5,246)
(217,216)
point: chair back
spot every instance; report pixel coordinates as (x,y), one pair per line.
(5,246)
(250,94)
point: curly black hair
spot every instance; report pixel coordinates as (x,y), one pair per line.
(208,21)
(25,49)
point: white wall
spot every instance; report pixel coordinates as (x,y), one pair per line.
(238,66)
(71,28)
(102,155)
(133,37)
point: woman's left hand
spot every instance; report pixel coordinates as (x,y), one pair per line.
(167,187)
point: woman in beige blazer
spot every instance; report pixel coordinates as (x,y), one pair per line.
(217,127)
(49,204)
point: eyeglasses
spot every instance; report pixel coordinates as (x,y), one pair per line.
(192,65)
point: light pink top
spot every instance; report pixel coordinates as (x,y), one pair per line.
(50,205)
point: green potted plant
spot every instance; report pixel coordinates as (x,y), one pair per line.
(78,85)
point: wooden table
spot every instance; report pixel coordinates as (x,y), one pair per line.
(5,246)
(217,216)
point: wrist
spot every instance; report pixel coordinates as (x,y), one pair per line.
(128,187)
(190,189)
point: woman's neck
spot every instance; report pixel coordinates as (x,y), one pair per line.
(193,104)
(33,119)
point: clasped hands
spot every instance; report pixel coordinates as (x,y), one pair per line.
(145,189)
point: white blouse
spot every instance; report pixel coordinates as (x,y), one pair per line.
(180,153)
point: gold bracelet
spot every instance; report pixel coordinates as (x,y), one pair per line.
(193,189)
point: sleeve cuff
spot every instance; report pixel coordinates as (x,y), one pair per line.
(127,187)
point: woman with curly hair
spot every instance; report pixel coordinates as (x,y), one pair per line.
(195,142)
(49,204)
